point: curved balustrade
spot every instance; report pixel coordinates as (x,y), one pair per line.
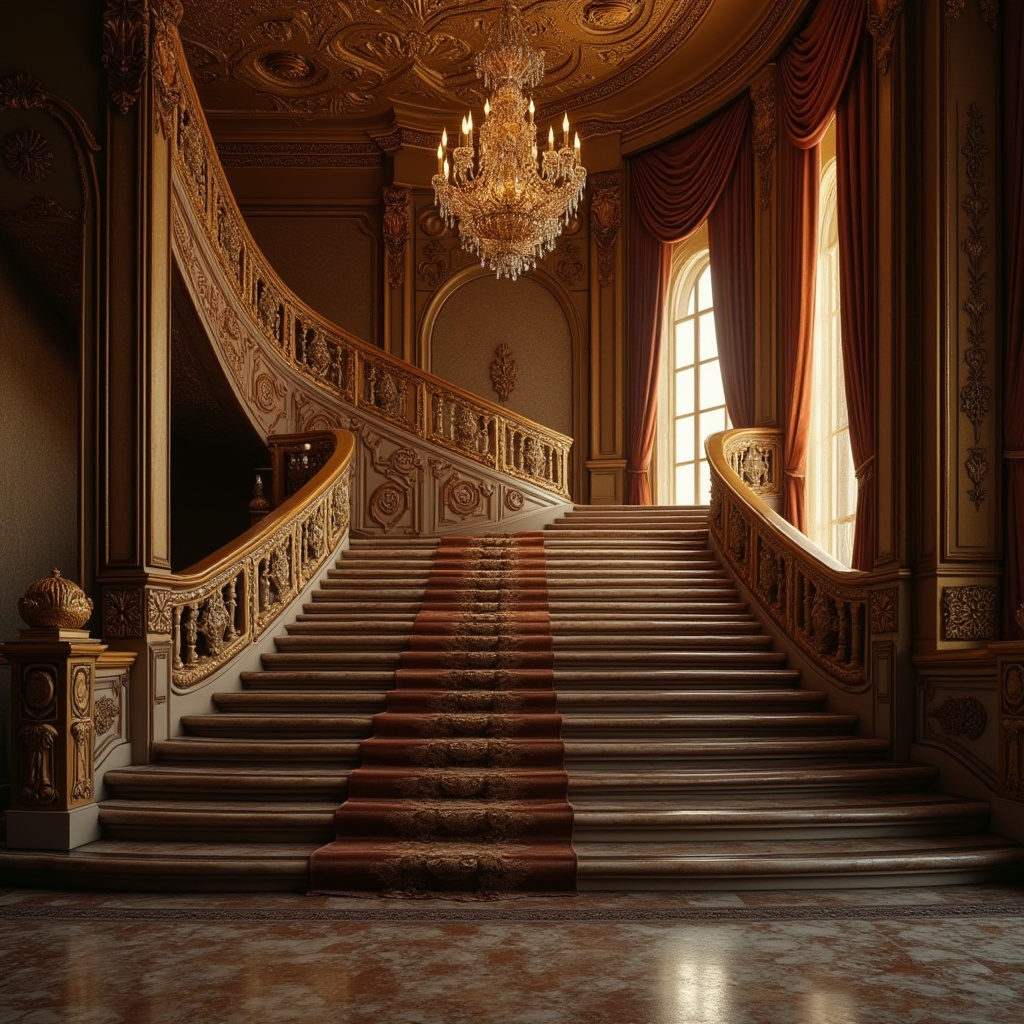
(227,601)
(828,611)
(336,366)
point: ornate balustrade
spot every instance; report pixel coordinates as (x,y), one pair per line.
(826,610)
(215,250)
(226,602)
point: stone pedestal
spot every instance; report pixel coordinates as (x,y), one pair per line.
(52,784)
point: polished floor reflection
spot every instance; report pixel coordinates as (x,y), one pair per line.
(828,957)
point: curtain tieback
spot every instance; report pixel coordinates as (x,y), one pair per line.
(793,475)
(638,472)
(866,467)
(1013,455)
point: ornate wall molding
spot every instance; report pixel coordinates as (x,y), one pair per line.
(125,55)
(300,154)
(397,230)
(28,156)
(605,221)
(122,614)
(167,90)
(989,10)
(976,395)
(765,134)
(882,21)
(885,608)
(504,371)
(570,266)
(969,613)
(961,716)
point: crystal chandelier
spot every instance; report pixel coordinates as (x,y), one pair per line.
(510,201)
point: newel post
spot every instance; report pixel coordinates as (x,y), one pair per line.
(53,667)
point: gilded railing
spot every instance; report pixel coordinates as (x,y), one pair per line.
(228,600)
(826,610)
(333,362)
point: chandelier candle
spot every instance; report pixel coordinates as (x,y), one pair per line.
(510,201)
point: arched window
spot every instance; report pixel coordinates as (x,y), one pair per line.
(831,481)
(692,399)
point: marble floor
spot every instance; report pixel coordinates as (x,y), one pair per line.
(933,956)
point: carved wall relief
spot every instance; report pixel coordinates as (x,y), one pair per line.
(397,230)
(27,155)
(765,135)
(989,10)
(504,371)
(125,55)
(1011,756)
(122,614)
(961,716)
(882,21)
(969,613)
(976,395)
(885,610)
(605,222)
(570,266)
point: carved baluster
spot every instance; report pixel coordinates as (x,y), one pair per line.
(808,623)
(191,634)
(547,462)
(452,414)
(300,343)
(857,637)
(264,571)
(176,639)
(843,615)
(371,384)
(232,603)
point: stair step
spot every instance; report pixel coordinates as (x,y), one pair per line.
(340,753)
(164,867)
(673,701)
(632,753)
(285,702)
(302,679)
(845,817)
(570,678)
(722,782)
(738,636)
(269,783)
(914,860)
(780,725)
(216,821)
(278,726)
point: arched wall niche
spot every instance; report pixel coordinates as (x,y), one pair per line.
(474,313)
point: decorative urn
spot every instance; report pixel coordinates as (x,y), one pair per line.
(55,603)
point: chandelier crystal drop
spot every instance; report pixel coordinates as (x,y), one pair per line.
(510,200)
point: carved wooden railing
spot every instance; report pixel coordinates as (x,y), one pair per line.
(227,601)
(334,363)
(820,605)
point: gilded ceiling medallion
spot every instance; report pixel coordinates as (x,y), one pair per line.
(286,66)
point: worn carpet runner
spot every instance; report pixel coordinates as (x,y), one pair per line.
(462,787)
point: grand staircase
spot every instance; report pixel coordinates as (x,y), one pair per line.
(695,758)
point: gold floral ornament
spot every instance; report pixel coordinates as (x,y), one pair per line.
(55,603)
(504,371)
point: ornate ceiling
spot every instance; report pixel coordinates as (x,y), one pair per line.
(361,64)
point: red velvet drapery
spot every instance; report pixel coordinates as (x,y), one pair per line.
(813,73)
(731,244)
(855,170)
(1013,191)
(672,191)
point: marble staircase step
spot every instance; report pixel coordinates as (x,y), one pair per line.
(291,702)
(835,816)
(778,751)
(777,725)
(912,860)
(292,725)
(183,866)
(261,783)
(327,680)
(202,750)
(597,702)
(653,677)
(218,821)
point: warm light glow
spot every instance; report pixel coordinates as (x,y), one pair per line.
(510,207)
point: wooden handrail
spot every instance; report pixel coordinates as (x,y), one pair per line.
(225,602)
(829,612)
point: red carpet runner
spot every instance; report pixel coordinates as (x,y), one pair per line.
(462,788)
